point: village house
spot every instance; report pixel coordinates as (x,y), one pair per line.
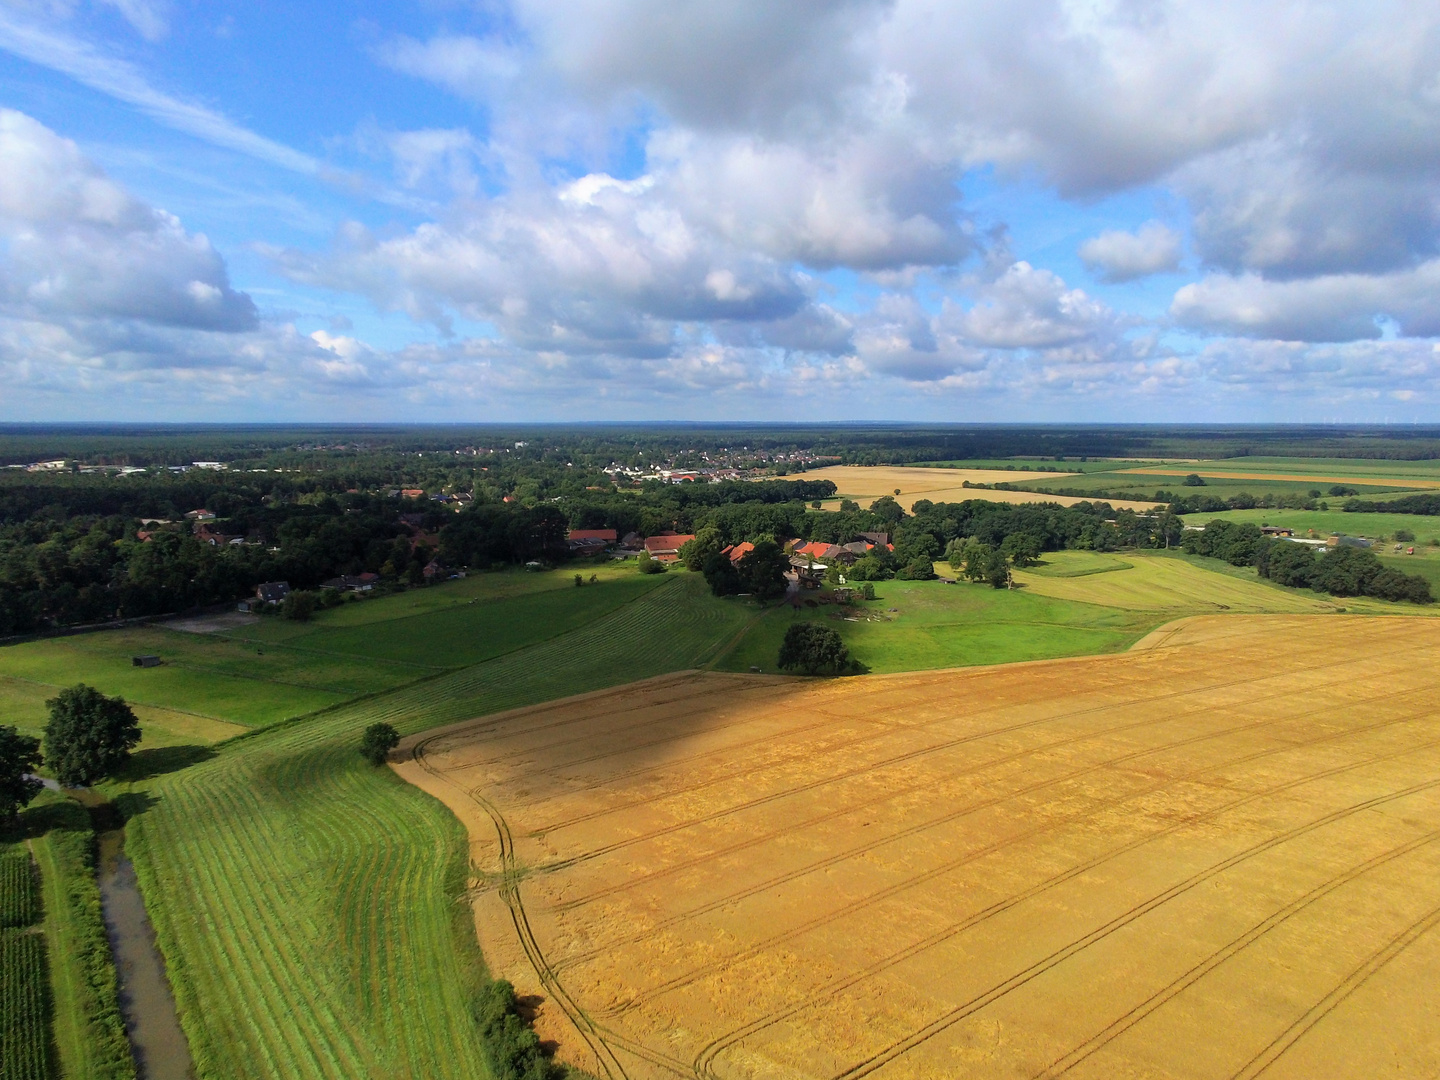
(357,583)
(666,547)
(272,592)
(589,541)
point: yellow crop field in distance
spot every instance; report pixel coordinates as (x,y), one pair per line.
(1214,856)
(865,483)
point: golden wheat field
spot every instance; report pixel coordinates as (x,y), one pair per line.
(865,483)
(1215,856)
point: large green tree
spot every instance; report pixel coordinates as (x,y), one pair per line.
(762,570)
(812,649)
(19,758)
(89,735)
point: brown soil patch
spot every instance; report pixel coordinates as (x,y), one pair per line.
(1217,855)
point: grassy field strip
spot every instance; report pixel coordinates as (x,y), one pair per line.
(306,903)
(89,1030)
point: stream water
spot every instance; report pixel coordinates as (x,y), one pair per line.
(161,1052)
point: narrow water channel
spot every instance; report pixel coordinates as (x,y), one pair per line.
(161,1052)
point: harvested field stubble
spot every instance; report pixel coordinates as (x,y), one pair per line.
(1081,867)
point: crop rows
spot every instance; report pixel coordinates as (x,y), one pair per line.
(18,906)
(24,1016)
(310,907)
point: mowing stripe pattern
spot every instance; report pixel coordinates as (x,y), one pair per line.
(310,907)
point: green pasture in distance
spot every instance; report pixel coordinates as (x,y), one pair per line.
(1384,468)
(1069,465)
(483,587)
(1138,485)
(1065,564)
(459,633)
(938,626)
(200,674)
(1325,522)
(308,904)
(1153,581)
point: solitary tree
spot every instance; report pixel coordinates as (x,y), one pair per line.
(89,735)
(812,649)
(377,742)
(19,758)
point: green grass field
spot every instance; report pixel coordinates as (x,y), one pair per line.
(308,904)
(1325,522)
(1156,582)
(211,687)
(937,625)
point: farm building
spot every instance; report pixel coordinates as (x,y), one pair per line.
(352,582)
(666,547)
(590,541)
(272,592)
(148,660)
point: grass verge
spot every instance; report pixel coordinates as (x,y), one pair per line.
(89,1030)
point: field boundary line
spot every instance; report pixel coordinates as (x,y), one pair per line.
(510,894)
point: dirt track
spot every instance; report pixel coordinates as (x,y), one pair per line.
(1215,856)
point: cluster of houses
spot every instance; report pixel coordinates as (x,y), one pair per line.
(809,560)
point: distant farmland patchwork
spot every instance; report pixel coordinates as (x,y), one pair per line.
(1084,867)
(271,850)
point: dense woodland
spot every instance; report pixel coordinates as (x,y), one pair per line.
(306,505)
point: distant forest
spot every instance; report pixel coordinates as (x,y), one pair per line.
(81,543)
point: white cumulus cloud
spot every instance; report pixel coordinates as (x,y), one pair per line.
(1118,256)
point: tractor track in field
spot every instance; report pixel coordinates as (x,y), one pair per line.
(1233,948)
(705,1059)
(1059,956)
(890,795)
(1353,982)
(510,894)
(830,719)
(951,865)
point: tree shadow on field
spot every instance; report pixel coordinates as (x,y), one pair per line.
(148,764)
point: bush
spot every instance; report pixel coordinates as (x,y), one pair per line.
(300,606)
(89,735)
(649,565)
(511,1046)
(812,649)
(1404,536)
(377,742)
(867,591)
(1194,480)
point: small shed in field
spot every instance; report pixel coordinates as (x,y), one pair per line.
(145,661)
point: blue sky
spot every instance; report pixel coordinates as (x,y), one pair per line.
(1080,210)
